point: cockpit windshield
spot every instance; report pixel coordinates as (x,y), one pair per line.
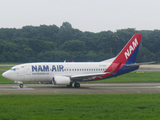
(14,69)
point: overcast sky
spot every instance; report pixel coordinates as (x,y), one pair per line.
(86,15)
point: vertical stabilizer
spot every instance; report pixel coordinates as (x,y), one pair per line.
(128,54)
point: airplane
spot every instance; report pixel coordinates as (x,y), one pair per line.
(67,73)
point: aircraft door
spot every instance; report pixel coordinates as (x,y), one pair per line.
(20,72)
(28,71)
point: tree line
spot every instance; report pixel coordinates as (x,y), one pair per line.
(55,44)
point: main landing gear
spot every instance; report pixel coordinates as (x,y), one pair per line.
(76,85)
(70,85)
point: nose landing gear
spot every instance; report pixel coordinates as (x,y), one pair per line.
(21,85)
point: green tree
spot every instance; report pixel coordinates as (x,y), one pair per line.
(74,45)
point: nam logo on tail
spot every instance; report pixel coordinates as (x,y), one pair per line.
(131,48)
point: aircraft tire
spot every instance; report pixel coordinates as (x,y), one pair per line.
(76,85)
(21,85)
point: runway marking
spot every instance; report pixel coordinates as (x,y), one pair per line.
(55,92)
(25,88)
(17,88)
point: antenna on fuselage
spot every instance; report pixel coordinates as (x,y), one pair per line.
(64,60)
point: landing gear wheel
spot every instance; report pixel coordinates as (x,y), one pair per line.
(70,85)
(21,85)
(76,85)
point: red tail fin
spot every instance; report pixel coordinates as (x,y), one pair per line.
(128,54)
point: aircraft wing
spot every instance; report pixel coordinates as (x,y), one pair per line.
(88,75)
(138,64)
(96,74)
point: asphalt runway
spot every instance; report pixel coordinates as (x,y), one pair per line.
(106,88)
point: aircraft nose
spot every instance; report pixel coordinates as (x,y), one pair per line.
(5,74)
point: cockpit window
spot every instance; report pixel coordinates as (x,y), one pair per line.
(14,69)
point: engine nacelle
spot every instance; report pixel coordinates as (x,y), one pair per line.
(61,80)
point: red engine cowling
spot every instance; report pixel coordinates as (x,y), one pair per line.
(61,80)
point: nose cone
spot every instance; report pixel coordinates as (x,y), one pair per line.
(6,75)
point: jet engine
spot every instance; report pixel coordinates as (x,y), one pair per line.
(61,80)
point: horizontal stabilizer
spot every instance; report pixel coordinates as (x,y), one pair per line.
(138,64)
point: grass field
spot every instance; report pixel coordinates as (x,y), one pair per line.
(84,107)
(80,107)
(5,67)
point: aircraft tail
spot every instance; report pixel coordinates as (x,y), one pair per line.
(128,54)
(124,62)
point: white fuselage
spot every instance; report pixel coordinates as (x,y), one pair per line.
(42,72)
